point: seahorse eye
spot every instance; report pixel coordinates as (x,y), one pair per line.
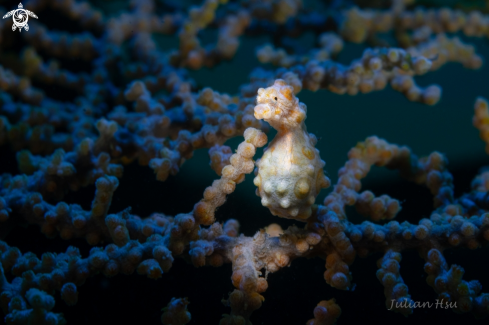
(275,98)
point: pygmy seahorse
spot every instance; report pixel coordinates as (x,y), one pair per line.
(290,174)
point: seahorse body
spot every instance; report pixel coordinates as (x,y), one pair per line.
(290,174)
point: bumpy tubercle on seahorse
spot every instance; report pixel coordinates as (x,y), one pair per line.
(290,174)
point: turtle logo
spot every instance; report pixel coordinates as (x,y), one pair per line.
(20,17)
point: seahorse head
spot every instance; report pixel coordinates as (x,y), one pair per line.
(278,106)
